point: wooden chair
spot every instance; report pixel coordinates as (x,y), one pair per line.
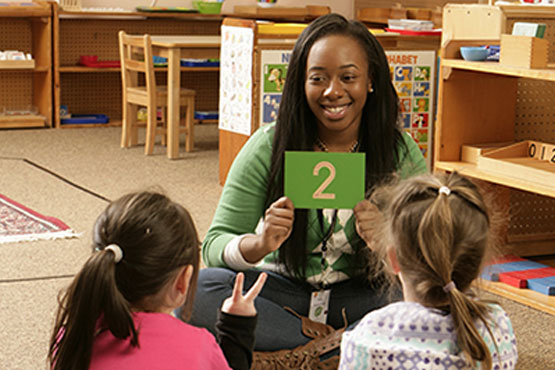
(136,58)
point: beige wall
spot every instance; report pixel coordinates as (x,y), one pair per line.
(344,7)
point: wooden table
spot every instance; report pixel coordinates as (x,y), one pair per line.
(174,48)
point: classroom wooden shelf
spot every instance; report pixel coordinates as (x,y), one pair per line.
(26,27)
(489,102)
(82,69)
(472,170)
(26,120)
(527,297)
(496,68)
(86,90)
(281,13)
(17,64)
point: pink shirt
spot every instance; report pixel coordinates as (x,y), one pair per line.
(164,343)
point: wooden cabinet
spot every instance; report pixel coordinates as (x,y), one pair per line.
(87,90)
(26,93)
(487,102)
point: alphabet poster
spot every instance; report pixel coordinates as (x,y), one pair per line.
(272,76)
(413,75)
(236,79)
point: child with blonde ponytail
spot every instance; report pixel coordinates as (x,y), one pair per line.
(117,312)
(435,239)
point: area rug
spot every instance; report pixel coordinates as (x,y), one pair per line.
(19,223)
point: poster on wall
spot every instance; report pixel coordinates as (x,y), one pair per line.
(413,75)
(274,65)
(235,104)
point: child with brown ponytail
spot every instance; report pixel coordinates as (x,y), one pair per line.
(436,236)
(116,314)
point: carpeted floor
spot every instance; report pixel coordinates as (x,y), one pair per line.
(70,174)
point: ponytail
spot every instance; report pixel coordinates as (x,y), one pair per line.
(435,237)
(465,311)
(93,295)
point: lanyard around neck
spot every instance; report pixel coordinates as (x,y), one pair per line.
(329,233)
(327,236)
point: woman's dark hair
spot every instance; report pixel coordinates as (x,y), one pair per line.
(439,228)
(380,136)
(157,237)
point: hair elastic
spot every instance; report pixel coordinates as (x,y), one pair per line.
(449,286)
(116,250)
(444,190)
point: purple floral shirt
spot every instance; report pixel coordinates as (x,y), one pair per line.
(407,335)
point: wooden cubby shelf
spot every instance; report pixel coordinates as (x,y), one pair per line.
(485,105)
(27,27)
(86,90)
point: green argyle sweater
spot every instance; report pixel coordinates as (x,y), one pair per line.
(241,207)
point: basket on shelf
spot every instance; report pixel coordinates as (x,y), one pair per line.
(208,7)
(70,4)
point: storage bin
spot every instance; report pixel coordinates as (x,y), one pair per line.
(524,51)
(206,7)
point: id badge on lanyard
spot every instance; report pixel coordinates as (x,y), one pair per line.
(319,305)
(320,300)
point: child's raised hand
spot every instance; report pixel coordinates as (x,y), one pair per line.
(243,305)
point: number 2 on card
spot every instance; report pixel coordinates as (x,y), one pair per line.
(319,193)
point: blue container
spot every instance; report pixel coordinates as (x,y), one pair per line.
(202,115)
(200,63)
(474,53)
(85,119)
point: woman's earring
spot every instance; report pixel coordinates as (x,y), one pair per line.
(370,90)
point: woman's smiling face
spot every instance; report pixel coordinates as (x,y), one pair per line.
(337,84)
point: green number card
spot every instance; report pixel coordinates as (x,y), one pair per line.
(324,180)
